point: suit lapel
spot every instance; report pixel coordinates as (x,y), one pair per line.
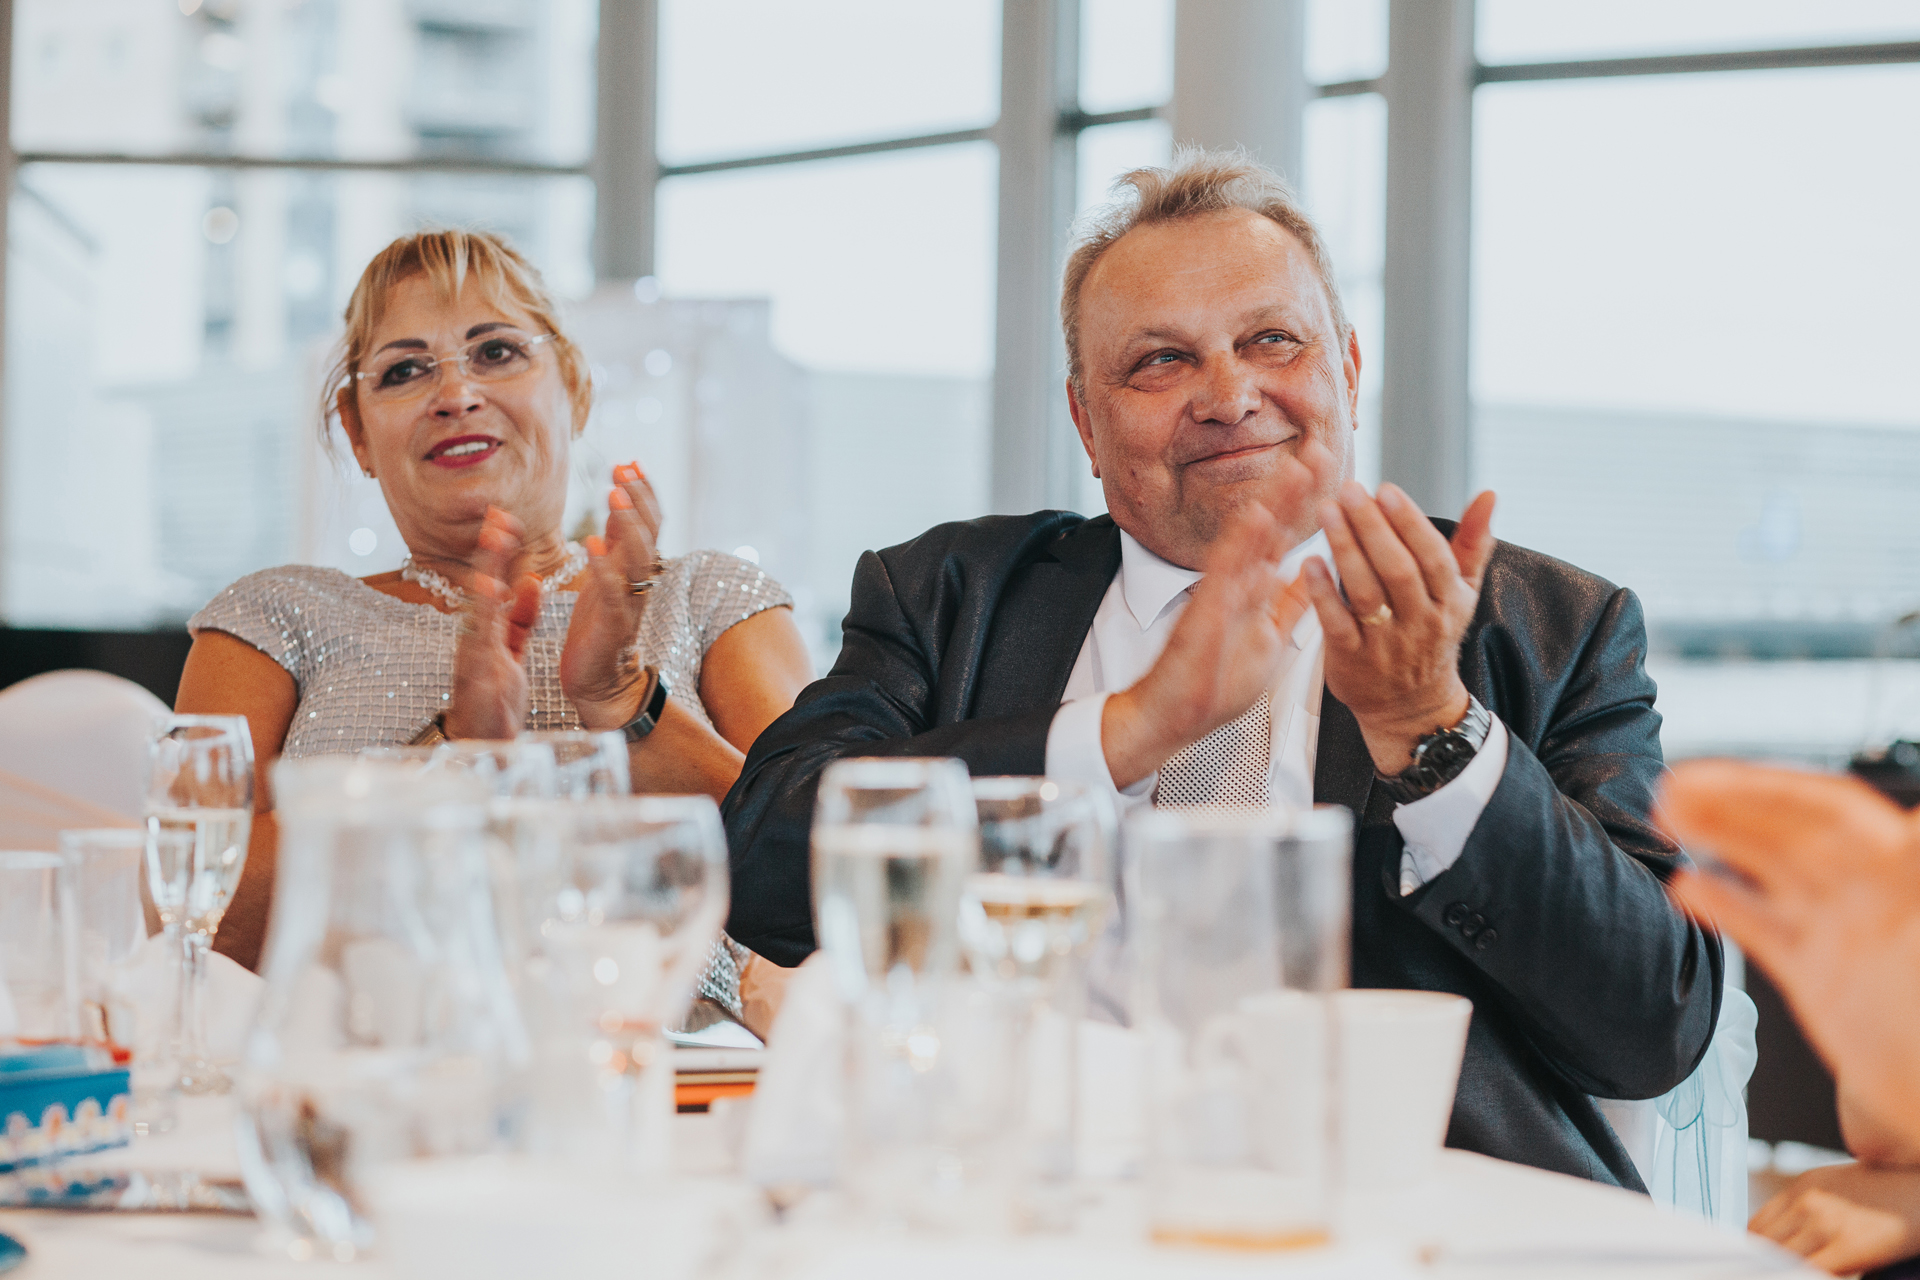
(1342,770)
(1043,619)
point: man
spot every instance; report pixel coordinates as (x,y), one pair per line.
(1482,709)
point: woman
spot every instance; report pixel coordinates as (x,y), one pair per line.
(460,395)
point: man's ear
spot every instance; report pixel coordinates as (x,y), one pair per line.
(1084,425)
(356,430)
(1352,371)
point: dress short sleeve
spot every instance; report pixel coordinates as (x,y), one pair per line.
(275,610)
(723,590)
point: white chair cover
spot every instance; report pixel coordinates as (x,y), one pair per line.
(1690,1145)
(82,733)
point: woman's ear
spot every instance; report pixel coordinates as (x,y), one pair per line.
(356,430)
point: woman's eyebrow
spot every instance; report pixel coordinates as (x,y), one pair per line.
(489,326)
(415,343)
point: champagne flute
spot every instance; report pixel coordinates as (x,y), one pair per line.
(199,814)
(1028,919)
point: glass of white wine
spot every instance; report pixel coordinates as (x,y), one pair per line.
(1028,919)
(199,815)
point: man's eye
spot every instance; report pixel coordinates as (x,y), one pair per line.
(1160,357)
(1274,337)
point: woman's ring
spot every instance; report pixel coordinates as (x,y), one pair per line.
(1383,614)
(640,588)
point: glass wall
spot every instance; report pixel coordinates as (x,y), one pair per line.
(167,324)
(1692,357)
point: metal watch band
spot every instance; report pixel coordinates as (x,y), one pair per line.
(1440,757)
(652,705)
(432,734)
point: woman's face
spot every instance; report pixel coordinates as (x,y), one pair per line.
(459,443)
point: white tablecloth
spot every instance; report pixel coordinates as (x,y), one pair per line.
(1477,1217)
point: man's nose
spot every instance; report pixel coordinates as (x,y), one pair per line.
(1227,392)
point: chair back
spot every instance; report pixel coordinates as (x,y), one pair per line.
(83,734)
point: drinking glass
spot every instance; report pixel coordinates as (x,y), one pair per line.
(387,1030)
(199,815)
(107,863)
(624,929)
(586,763)
(1241,922)
(1028,918)
(893,842)
(39,971)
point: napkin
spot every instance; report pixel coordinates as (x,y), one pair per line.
(798,1110)
(147,983)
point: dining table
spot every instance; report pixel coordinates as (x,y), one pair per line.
(515,1217)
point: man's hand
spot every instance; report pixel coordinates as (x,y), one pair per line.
(1393,642)
(1226,649)
(1846,1218)
(1818,879)
(488,697)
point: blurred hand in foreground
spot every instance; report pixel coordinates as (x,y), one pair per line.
(1818,879)
(1846,1218)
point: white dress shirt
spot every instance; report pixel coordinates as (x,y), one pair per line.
(1134,620)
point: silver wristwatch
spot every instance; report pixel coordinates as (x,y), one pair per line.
(1440,756)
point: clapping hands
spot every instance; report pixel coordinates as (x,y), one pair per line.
(488,697)
(597,671)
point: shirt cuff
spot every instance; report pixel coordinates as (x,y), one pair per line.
(1436,827)
(1074,753)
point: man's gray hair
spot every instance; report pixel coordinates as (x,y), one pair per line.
(1199,182)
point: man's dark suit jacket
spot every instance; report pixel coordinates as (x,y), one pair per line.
(1584,979)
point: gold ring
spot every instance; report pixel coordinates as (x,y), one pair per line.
(639,588)
(1383,614)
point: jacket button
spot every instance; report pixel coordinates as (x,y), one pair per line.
(1472,925)
(1455,913)
(1486,939)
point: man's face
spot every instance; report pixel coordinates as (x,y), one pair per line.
(1210,356)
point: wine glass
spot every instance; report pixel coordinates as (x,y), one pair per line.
(1028,918)
(199,814)
(624,928)
(586,763)
(893,841)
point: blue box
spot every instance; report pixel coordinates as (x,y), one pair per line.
(58,1101)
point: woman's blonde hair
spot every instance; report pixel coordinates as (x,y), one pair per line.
(449,259)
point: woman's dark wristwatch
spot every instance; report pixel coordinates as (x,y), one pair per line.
(653,705)
(1439,757)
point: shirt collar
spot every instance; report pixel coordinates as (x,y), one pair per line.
(1150,584)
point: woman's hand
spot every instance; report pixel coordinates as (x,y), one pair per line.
(597,672)
(489,694)
(1846,1218)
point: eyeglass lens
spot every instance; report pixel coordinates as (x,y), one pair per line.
(494,358)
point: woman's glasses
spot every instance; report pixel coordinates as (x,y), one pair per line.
(402,375)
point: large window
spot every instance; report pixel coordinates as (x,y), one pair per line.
(200,184)
(1692,365)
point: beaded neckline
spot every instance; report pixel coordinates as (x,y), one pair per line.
(437,583)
